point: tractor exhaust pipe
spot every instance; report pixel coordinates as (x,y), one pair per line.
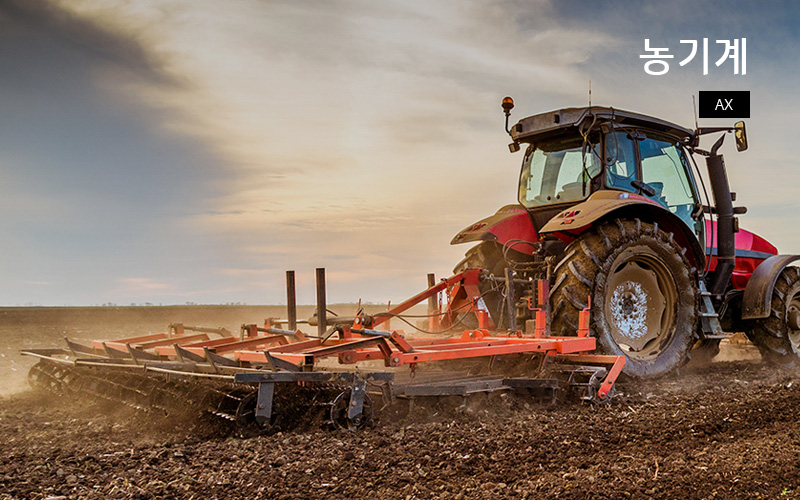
(726,246)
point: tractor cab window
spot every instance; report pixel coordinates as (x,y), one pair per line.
(557,172)
(664,168)
(620,161)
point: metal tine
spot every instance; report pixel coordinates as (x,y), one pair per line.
(215,359)
(184,354)
(138,354)
(81,349)
(113,353)
(277,364)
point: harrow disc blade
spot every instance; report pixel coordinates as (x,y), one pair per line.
(340,409)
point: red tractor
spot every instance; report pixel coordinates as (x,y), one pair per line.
(613,213)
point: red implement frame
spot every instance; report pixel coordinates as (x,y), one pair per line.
(362,341)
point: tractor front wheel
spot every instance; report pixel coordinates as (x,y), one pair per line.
(778,335)
(643,290)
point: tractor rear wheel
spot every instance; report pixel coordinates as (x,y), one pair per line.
(486,255)
(778,335)
(644,294)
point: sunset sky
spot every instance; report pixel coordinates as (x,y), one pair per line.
(173,151)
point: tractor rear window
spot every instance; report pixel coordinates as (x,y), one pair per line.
(556,172)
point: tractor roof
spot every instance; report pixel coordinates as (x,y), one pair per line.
(544,124)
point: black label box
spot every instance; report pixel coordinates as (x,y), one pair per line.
(724,104)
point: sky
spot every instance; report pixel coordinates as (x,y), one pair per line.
(174,151)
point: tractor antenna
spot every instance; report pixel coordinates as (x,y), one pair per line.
(590,93)
(694,104)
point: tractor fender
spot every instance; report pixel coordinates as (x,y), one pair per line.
(509,225)
(757,298)
(605,205)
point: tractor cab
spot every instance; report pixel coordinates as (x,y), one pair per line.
(574,153)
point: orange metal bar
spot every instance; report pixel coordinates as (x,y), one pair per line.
(258,355)
(323,351)
(174,340)
(169,351)
(251,356)
(583,320)
(469,276)
(233,343)
(214,343)
(98,344)
(251,342)
(400,342)
(483,318)
(250,330)
(156,343)
(237,345)
(349,353)
(616,362)
(296,346)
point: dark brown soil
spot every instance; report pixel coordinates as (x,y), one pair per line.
(728,430)
(725,431)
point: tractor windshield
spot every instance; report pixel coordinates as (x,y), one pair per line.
(557,172)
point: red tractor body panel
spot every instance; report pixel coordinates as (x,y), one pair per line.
(510,223)
(751,250)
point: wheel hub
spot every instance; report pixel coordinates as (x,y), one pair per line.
(638,298)
(629,309)
(630,303)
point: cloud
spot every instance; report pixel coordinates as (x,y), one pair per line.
(70,27)
(137,285)
(351,134)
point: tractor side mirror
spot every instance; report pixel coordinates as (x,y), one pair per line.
(741,136)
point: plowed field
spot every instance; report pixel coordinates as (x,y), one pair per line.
(726,430)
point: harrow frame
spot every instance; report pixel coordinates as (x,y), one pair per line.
(266,356)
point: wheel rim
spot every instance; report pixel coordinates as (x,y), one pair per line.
(640,303)
(793,323)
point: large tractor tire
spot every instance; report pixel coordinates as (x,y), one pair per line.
(644,295)
(778,335)
(486,255)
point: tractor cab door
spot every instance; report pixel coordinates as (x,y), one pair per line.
(557,173)
(655,167)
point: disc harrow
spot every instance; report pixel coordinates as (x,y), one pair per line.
(270,379)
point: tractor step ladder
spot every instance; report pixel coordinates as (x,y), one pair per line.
(708,316)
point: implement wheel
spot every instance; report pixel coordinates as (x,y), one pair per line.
(778,336)
(644,294)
